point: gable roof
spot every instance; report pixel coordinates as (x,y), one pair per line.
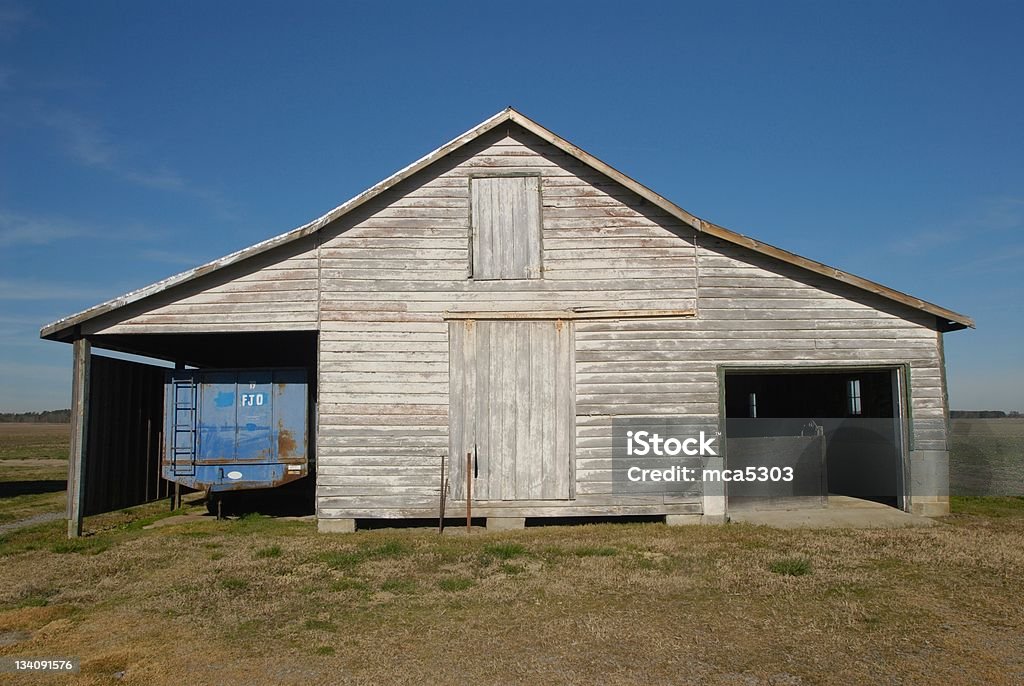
(948,320)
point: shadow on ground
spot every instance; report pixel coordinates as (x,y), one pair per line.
(9,489)
(284,501)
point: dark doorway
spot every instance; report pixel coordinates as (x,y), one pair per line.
(856,412)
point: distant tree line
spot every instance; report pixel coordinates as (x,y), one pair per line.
(981,414)
(44,417)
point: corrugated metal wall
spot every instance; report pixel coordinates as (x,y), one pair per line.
(122,457)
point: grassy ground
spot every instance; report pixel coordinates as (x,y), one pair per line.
(261,600)
(33,469)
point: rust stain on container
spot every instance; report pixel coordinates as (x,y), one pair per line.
(285,443)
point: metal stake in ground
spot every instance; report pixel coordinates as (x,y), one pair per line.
(444,492)
(469,491)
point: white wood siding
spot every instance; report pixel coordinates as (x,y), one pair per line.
(752,311)
(390,273)
(274,291)
(377,282)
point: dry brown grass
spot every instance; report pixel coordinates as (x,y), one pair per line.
(33,465)
(259,600)
(20,441)
(206,603)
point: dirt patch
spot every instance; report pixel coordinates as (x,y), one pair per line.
(41,518)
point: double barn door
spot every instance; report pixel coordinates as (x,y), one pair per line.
(512,409)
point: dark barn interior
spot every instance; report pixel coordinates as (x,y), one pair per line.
(857,413)
(125,412)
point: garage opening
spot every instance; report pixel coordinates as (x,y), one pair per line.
(840,431)
(126,414)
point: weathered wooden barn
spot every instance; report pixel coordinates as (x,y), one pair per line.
(512,297)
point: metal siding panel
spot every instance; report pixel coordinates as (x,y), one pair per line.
(217,419)
(252,428)
(290,425)
(119,456)
(255,417)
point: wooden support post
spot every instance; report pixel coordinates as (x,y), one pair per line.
(79,435)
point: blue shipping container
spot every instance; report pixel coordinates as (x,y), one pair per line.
(227,430)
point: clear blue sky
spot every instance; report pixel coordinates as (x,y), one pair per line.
(138,139)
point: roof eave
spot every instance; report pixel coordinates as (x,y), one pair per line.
(57,330)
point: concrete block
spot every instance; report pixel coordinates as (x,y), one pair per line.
(505,523)
(929,474)
(938,507)
(714,518)
(683,519)
(714,503)
(336,526)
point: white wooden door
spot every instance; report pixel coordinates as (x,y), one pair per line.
(511,409)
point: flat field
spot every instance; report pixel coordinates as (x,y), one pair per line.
(261,600)
(33,470)
(987,456)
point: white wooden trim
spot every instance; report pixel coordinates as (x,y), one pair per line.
(569,314)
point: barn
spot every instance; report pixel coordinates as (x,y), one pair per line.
(498,321)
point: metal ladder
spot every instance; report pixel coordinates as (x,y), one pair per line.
(183,446)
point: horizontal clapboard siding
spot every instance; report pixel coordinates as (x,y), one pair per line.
(757,311)
(389,274)
(383,298)
(754,313)
(275,291)
(377,281)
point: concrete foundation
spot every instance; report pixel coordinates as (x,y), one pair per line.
(505,523)
(683,519)
(336,526)
(842,512)
(936,506)
(714,518)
